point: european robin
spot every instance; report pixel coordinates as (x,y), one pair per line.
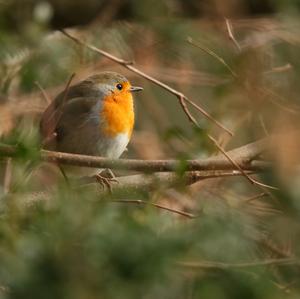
(93,117)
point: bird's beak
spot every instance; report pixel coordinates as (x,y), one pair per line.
(135,88)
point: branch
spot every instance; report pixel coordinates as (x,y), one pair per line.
(167,179)
(180,96)
(243,156)
(182,101)
(137,182)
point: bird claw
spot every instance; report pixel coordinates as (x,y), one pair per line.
(106,181)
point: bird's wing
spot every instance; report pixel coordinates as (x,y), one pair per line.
(66,111)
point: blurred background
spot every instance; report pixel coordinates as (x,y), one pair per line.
(243,241)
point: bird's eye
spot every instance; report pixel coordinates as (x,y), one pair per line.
(119,86)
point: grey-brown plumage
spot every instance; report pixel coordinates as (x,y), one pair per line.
(71,122)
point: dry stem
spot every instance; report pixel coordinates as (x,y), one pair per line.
(142,202)
(220,265)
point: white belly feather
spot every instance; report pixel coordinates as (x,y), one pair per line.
(113,147)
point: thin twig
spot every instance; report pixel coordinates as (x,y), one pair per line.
(220,265)
(234,163)
(138,201)
(221,60)
(263,125)
(279,69)
(127,64)
(165,179)
(254,197)
(48,100)
(231,35)
(7,176)
(186,110)
(269,245)
(269,95)
(213,54)
(66,91)
(138,182)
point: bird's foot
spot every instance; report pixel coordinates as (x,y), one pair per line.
(107,179)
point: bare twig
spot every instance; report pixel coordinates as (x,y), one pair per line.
(139,182)
(66,91)
(220,265)
(279,69)
(272,247)
(221,60)
(242,157)
(127,64)
(142,202)
(231,35)
(7,176)
(149,165)
(234,163)
(186,110)
(166,179)
(213,54)
(271,95)
(263,125)
(247,200)
(48,100)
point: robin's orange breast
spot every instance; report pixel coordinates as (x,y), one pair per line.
(117,115)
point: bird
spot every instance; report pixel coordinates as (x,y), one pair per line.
(93,117)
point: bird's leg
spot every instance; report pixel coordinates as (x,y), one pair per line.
(63,174)
(112,175)
(103,181)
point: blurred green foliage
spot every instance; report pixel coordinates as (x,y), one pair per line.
(57,241)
